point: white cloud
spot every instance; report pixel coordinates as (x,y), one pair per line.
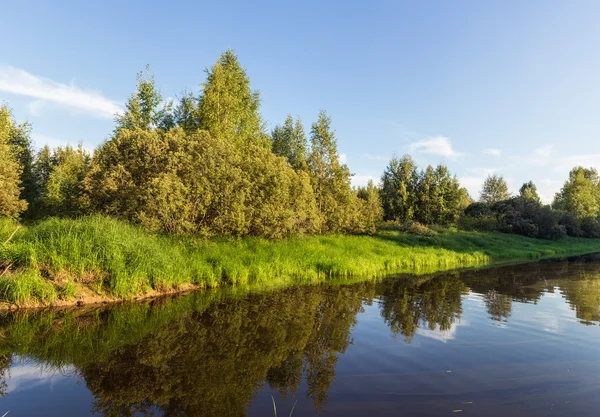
(492,151)
(343,158)
(362,180)
(545,151)
(438,334)
(376,157)
(44,90)
(482,171)
(435,146)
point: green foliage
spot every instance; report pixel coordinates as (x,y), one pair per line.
(11,171)
(494,189)
(26,288)
(580,194)
(525,216)
(228,108)
(529,191)
(399,189)
(330,179)
(64,193)
(432,196)
(123,168)
(370,212)
(142,108)
(122,260)
(289,141)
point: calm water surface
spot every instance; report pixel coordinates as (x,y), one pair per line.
(511,341)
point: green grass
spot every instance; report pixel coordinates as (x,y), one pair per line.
(121,260)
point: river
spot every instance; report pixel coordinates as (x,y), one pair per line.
(519,340)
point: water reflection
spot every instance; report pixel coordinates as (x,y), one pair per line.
(213,353)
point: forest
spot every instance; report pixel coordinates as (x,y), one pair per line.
(176,176)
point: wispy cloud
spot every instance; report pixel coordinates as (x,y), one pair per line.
(435,146)
(343,158)
(545,151)
(492,151)
(44,90)
(375,157)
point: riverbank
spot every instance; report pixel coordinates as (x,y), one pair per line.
(98,259)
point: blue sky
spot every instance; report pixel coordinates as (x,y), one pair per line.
(484,86)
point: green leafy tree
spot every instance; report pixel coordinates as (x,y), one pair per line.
(399,189)
(186,113)
(529,191)
(428,197)
(64,192)
(11,202)
(330,179)
(290,142)
(123,167)
(447,199)
(143,109)
(580,195)
(228,108)
(19,138)
(494,189)
(370,209)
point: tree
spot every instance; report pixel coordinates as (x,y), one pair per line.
(428,197)
(529,191)
(64,191)
(330,179)
(399,187)
(228,108)
(142,109)
(449,197)
(186,113)
(19,138)
(11,203)
(289,141)
(370,210)
(494,189)
(580,194)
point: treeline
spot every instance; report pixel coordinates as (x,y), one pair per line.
(203,165)
(206,165)
(430,196)
(575,210)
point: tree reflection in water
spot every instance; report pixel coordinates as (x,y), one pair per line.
(210,353)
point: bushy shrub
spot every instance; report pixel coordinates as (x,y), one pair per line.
(416,228)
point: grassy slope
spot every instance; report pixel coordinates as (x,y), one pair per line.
(120,260)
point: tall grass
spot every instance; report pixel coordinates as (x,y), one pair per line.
(122,260)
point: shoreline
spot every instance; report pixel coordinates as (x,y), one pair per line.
(94,301)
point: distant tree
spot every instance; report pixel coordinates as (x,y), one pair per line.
(228,108)
(580,194)
(494,189)
(64,191)
(142,109)
(529,190)
(465,199)
(290,142)
(398,189)
(11,203)
(428,197)
(370,210)
(448,204)
(330,179)
(186,113)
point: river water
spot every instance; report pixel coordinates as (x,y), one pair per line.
(510,341)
